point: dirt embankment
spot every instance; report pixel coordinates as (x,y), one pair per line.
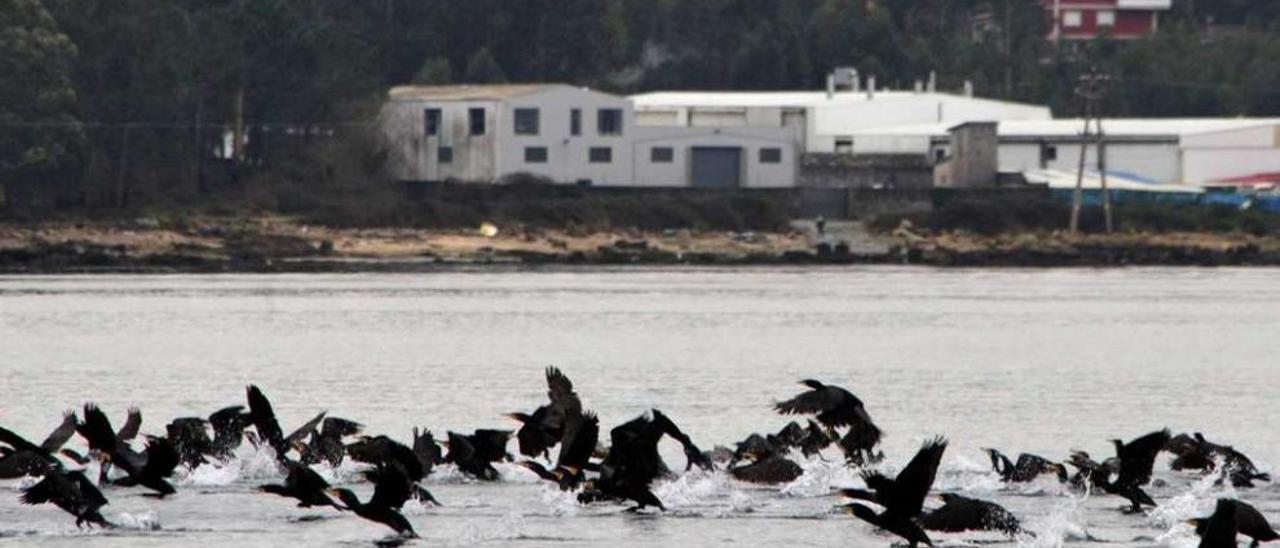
(280,245)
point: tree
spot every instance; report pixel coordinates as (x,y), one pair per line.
(40,137)
(482,68)
(434,71)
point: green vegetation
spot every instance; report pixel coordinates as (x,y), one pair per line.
(117,107)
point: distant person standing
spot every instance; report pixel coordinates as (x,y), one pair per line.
(821,224)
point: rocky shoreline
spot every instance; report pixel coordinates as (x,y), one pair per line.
(279,246)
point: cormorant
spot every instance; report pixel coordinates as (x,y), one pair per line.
(1189,454)
(190,439)
(23,458)
(1137,458)
(426,449)
(72,492)
(1091,473)
(1219,531)
(263,418)
(390,491)
(1028,467)
(767,466)
(836,407)
(228,425)
(576,446)
(633,461)
(384,452)
(544,428)
(902,497)
(476,453)
(965,514)
(1194,452)
(1248,522)
(326,445)
(303,484)
(148,469)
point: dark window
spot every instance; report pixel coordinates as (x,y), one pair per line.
(1050,153)
(526,121)
(432,119)
(600,155)
(939,155)
(770,155)
(575,122)
(609,121)
(476,118)
(844,145)
(535,155)
(662,155)
(445,155)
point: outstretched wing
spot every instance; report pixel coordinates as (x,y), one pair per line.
(580,437)
(96,429)
(1138,457)
(162,458)
(263,418)
(305,430)
(132,424)
(915,480)
(392,487)
(59,436)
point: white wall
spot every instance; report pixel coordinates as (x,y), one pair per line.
(1208,165)
(414,155)
(567,155)
(1265,136)
(682,140)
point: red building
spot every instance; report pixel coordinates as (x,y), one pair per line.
(1088,19)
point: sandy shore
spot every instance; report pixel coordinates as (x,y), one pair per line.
(279,244)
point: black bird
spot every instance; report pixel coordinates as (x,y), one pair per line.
(228,425)
(390,491)
(965,514)
(1219,531)
(1248,522)
(148,469)
(767,464)
(1190,453)
(426,449)
(326,445)
(1028,468)
(475,454)
(1137,459)
(384,452)
(836,407)
(303,484)
(903,497)
(1091,473)
(191,439)
(23,458)
(263,418)
(633,462)
(73,493)
(132,424)
(576,446)
(542,429)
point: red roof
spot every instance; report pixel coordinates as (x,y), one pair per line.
(1254,179)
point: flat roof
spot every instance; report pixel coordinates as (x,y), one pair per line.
(485,92)
(1169,128)
(795,99)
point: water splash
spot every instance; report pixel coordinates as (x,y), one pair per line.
(146,521)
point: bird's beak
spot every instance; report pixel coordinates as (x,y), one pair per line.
(514,417)
(331,492)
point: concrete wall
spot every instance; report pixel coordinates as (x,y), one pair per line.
(974,157)
(567,155)
(863,172)
(682,140)
(1155,161)
(414,155)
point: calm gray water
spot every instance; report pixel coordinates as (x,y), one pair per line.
(1024,360)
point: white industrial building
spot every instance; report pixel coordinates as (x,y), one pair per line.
(572,135)
(569,134)
(1177,151)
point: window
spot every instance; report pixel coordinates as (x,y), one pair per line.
(1106,18)
(662,155)
(475,117)
(527,121)
(609,121)
(535,155)
(445,155)
(1050,153)
(1072,18)
(939,155)
(844,145)
(575,122)
(600,155)
(771,156)
(432,120)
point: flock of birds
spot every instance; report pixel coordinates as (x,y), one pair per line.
(622,471)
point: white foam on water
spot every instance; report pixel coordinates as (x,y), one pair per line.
(821,478)
(145,521)
(1065,523)
(560,502)
(510,527)
(692,488)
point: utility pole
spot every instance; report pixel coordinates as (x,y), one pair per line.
(1091,90)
